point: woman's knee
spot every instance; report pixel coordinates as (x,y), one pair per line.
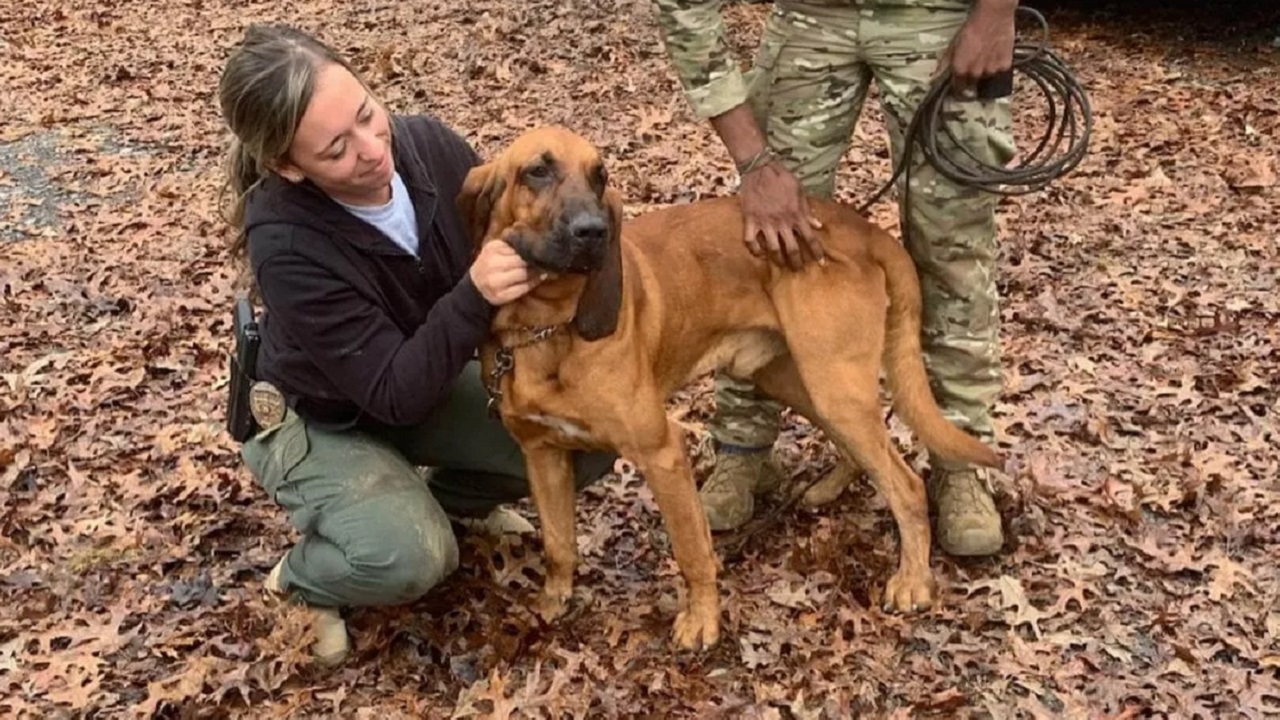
(409,551)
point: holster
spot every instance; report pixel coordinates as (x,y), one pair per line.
(243,369)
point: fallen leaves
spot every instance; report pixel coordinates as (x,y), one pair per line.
(182,688)
(1227,575)
(1012,599)
(1253,175)
(1141,335)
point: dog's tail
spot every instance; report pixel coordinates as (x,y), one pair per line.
(904,362)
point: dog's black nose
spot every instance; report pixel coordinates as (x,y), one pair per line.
(588,228)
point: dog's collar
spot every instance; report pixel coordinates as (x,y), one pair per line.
(526,335)
(504,357)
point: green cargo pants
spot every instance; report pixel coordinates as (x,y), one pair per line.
(373,531)
(811,75)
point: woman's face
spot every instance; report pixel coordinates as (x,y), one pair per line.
(343,143)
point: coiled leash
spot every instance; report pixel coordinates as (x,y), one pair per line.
(1064,144)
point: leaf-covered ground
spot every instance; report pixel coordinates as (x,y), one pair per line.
(1142,416)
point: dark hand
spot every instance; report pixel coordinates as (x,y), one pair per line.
(778,220)
(984,45)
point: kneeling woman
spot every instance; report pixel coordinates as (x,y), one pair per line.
(373,311)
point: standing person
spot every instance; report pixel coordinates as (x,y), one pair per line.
(374,310)
(786,123)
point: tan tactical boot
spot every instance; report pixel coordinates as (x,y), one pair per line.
(728,495)
(967,520)
(332,643)
(272,582)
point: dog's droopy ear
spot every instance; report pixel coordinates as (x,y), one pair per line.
(601,300)
(480,191)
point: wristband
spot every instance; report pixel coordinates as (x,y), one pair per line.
(755,162)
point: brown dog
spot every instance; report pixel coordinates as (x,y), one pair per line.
(631,312)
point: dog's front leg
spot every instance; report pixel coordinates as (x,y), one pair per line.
(551,481)
(666,469)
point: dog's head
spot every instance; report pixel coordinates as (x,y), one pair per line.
(547,194)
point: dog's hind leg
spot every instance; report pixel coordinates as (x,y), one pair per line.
(838,389)
(781,380)
(551,482)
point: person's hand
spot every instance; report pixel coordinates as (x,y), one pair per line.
(778,220)
(501,275)
(984,45)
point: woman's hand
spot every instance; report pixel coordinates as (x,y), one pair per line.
(501,275)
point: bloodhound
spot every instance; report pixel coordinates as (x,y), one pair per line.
(632,311)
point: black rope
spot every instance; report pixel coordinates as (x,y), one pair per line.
(1063,145)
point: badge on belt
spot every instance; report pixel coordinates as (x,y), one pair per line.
(266,402)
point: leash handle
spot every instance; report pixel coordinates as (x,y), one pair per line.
(1062,146)
(995,86)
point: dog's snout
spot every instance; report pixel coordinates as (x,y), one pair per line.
(588,227)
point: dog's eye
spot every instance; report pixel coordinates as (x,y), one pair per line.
(537,172)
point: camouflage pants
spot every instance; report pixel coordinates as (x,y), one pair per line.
(811,76)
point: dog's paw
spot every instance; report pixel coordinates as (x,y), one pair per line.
(906,593)
(696,630)
(551,605)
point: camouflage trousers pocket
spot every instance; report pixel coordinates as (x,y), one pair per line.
(984,129)
(759,79)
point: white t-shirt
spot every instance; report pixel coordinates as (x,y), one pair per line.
(396,219)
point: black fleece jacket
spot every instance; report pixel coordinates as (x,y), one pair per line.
(356,331)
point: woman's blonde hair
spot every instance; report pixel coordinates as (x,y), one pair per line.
(264,90)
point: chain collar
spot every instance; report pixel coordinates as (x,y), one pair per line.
(504,358)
